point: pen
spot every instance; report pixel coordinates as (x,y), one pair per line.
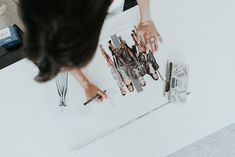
(95,97)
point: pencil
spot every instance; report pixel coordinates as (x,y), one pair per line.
(95,97)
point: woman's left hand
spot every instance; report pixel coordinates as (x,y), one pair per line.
(152,37)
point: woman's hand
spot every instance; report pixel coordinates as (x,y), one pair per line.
(92,90)
(148,31)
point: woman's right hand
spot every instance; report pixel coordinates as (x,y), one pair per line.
(92,90)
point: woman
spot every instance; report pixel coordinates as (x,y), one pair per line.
(63,36)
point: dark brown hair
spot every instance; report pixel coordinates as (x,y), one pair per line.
(61,33)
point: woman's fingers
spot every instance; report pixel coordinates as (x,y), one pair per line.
(159,37)
(139,35)
(157,45)
(153,44)
(102,95)
(147,41)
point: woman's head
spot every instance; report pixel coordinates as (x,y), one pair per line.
(61,34)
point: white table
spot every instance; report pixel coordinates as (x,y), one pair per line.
(192,34)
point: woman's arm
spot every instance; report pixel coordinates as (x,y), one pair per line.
(146,27)
(144,6)
(90,89)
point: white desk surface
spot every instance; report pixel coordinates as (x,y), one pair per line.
(199,33)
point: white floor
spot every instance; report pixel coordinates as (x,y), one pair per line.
(219,144)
